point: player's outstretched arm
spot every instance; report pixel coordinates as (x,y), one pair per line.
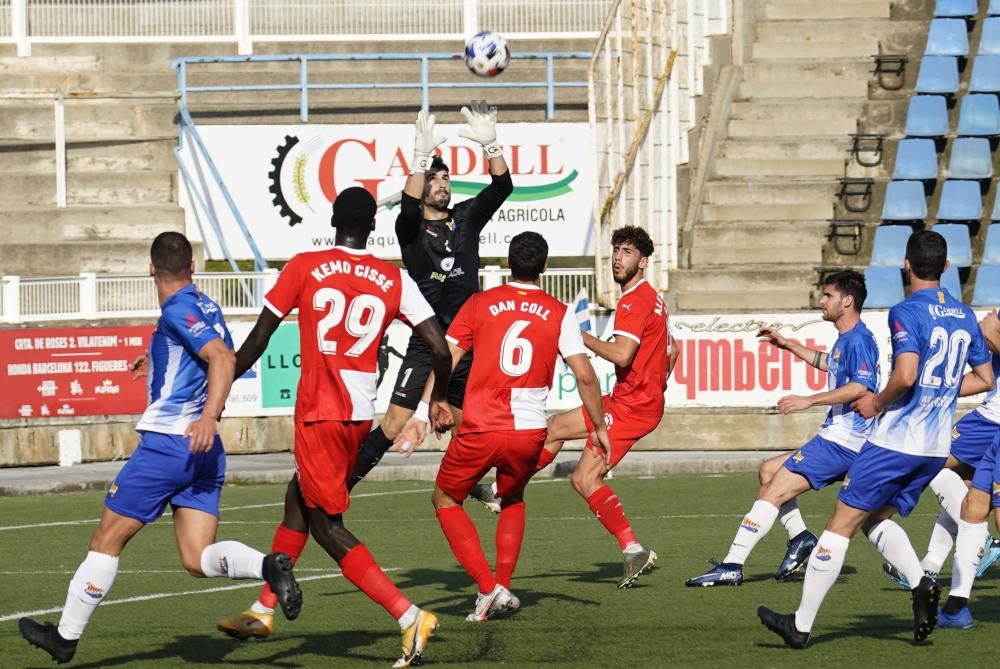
(619,350)
(425,140)
(221,363)
(256,341)
(845,394)
(481,120)
(810,355)
(590,393)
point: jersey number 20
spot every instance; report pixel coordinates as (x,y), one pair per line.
(366,330)
(948,352)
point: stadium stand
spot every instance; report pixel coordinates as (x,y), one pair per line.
(938,75)
(947,37)
(959,243)
(950,281)
(987,289)
(916,160)
(963,9)
(979,116)
(927,116)
(889,247)
(960,202)
(885,287)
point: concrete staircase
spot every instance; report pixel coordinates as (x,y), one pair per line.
(121,175)
(771,188)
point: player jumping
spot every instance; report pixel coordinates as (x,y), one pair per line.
(180,459)
(852,370)
(346,298)
(933,336)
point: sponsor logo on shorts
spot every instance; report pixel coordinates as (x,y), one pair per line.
(847,482)
(750,526)
(799,457)
(93,591)
(223,564)
(823,554)
(113,490)
(609,420)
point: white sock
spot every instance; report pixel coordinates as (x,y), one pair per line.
(493,487)
(408,617)
(633,547)
(942,539)
(90,585)
(232,559)
(755,525)
(968,552)
(791,518)
(890,540)
(951,491)
(824,567)
(257,607)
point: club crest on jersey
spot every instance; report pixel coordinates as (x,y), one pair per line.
(955,434)
(941,296)
(450,224)
(799,456)
(113,490)
(750,526)
(93,591)
(447,264)
(823,554)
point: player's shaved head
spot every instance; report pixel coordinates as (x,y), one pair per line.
(527,256)
(634,235)
(354,211)
(171,255)
(927,252)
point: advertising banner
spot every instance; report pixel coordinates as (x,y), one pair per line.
(61,372)
(283,179)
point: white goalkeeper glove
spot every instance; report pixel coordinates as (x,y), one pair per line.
(482,126)
(424,142)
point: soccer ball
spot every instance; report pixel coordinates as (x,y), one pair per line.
(487,54)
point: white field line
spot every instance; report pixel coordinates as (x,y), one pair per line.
(164,595)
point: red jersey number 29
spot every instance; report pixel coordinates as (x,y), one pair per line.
(364,316)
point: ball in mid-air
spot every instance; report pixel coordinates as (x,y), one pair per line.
(487,54)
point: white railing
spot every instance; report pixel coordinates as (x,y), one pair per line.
(644,77)
(247,21)
(114,296)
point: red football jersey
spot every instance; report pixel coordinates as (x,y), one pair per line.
(642,316)
(516,331)
(346,299)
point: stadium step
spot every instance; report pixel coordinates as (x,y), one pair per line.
(787,167)
(872,9)
(129,223)
(94,156)
(857,50)
(811,128)
(10,66)
(795,70)
(845,30)
(766,212)
(769,191)
(744,288)
(771,149)
(809,109)
(815,88)
(110,256)
(88,120)
(39,189)
(744,242)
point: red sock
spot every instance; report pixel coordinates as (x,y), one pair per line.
(510,531)
(464,541)
(285,541)
(360,568)
(608,509)
(545,458)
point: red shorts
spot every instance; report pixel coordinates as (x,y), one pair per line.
(624,427)
(325,452)
(470,455)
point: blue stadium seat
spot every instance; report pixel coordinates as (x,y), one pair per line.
(904,202)
(938,75)
(889,247)
(958,9)
(989,42)
(947,37)
(985,74)
(970,159)
(987,290)
(979,116)
(927,116)
(960,201)
(916,159)
(991,252)
(885,287)
(959,243)
(994,8)
(951,282)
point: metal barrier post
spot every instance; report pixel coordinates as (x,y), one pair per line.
(11,299)
(241,26)
(60,111)
(425,97)
(19,26)
(304,94)
(550,100)
(88,295)
(470,18)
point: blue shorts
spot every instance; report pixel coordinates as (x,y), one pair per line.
(881,477)
(821,462)
(972,437)
(163,470)
(987,476)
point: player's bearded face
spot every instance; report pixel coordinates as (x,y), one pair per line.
(625,263)
(437,191)
(831,303)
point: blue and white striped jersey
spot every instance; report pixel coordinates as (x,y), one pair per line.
(177,384)
(854,358)
(946,335)
(990,408)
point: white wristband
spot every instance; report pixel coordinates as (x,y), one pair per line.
(493,150)
(421,162)
(422,412)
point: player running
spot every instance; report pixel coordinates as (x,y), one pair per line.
(517,331)
(346,298)
(180,459)
(972,525)
(441,250)
(933,337)
(852,370)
